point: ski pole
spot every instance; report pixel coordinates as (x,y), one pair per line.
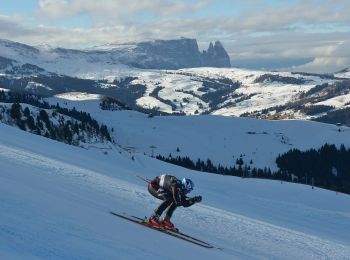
(144,179)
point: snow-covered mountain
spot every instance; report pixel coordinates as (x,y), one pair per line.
(240,92)
(159,54)
(169,54)
(197,91)
(206,90)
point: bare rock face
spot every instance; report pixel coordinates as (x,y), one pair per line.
(216,56)
(176,54)
(158,54)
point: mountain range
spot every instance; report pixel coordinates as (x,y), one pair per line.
(138,75)
(158,54)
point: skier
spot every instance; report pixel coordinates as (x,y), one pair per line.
(173,193)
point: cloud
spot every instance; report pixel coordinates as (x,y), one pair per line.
(111,10)
(170,18)
(249,29)
(287,17)
(10,28)
(324,65)
(257,16)
(330,59)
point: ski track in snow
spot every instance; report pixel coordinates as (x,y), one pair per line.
(211,223)
(88,177)
(253,233)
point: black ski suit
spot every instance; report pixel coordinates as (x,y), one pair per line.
(169,189)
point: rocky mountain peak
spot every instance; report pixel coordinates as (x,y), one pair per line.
(158,54)
(216,56)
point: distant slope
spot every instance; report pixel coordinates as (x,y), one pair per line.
(341,116)
(222,139)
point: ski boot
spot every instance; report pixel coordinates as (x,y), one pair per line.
(166,223)
(154,221)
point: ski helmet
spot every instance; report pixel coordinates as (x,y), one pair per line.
(187,184)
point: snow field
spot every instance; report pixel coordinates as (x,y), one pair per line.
(56,198)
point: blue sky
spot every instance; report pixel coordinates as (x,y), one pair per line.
(12,7)
(253,31)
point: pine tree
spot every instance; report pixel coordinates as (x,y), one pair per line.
(67,133)
(44,117)
(76,128)
(239,161)
(30,122)
(16,111)
(26,112)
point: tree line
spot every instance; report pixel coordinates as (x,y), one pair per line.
(327,167)
(239,170)
(81,126)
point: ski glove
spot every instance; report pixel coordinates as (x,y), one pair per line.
(191,201)
(197,199)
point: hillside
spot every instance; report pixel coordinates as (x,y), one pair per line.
(243,147)
(56,199)
(222,139)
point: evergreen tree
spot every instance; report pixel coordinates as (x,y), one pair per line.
(39,124)
(67,134)
(76,128)
(30,122)
(16,111)
(44,117)
(240,161)
(26,112)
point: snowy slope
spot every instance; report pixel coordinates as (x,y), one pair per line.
(338,102)
(184,89)
(64,61)
(222,139)
(55,201)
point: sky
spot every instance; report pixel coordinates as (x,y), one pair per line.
(310,35)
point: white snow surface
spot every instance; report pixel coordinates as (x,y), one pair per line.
(56,198)
(222,139)
(177,84)
(78,96)
(338,102)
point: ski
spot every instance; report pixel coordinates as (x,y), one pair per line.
(164,231)
(177,231)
